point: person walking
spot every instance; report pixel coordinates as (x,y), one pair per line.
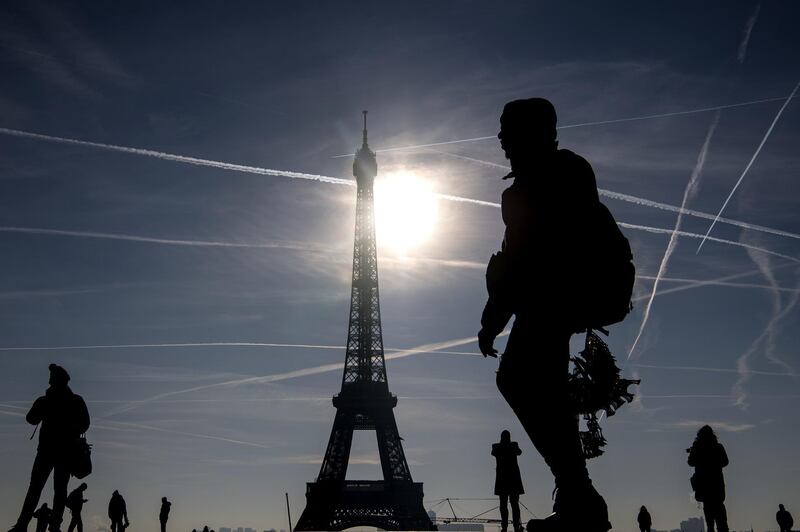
(118,513)
(75,502)
(163,515)
(708,457)
(538,277)
(508,481)
(42,516)
(63,417)
(644,520)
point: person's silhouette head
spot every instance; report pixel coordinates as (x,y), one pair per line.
(505,437)
(780,506)
(706,435)
(163,499)
(83,486)
(58,376)
(527,130)
(643,509)
(44,506)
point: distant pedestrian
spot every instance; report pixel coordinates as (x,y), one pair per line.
(118,513)
(644,520)
(784,518)
(163,515)
(75,503)
(508,482)
(708,457)
(42,516)
(64,417)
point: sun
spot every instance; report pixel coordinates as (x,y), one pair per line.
(406,210)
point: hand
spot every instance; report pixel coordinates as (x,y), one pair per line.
(486,344)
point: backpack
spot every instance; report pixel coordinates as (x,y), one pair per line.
(609,283)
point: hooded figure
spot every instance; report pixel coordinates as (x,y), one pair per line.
(63,417)
(644,520)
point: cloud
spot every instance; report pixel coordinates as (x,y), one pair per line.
(721,426)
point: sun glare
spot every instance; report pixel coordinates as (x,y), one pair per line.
(405,211)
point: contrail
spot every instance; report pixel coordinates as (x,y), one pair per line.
(661,231)
(649,203)
(191,434)
(582,124)
(149,240)
(767,336)
(715,370)
(179,158)
(324,179)
(689,192)
(304,372)
(211,163)
(748,30)
(749,164)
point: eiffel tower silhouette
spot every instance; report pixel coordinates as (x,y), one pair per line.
(364,403)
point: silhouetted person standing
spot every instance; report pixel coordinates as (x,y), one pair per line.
(118,513)
(548,211)
(644,520)
(784,518)
(75,503)
(508,482)
(42,516)
(708,457)
(64,417)
(163,515)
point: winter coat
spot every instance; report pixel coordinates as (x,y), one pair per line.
(63,415)
(507,480)
(708,461)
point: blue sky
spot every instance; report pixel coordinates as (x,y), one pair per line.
(281,86)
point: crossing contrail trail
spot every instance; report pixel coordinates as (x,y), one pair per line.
(648,203)
(304,372)
(336,181)
(662,231)
(581,124)
(688,193)
(749,164)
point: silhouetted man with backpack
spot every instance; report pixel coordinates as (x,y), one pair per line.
(553,257)
(75,503)
(63,417)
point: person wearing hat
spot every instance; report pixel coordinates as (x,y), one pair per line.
(548,210)
(63,417)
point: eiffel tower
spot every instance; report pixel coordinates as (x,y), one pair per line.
(364,403)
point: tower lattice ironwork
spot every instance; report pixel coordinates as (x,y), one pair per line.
(364,402)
